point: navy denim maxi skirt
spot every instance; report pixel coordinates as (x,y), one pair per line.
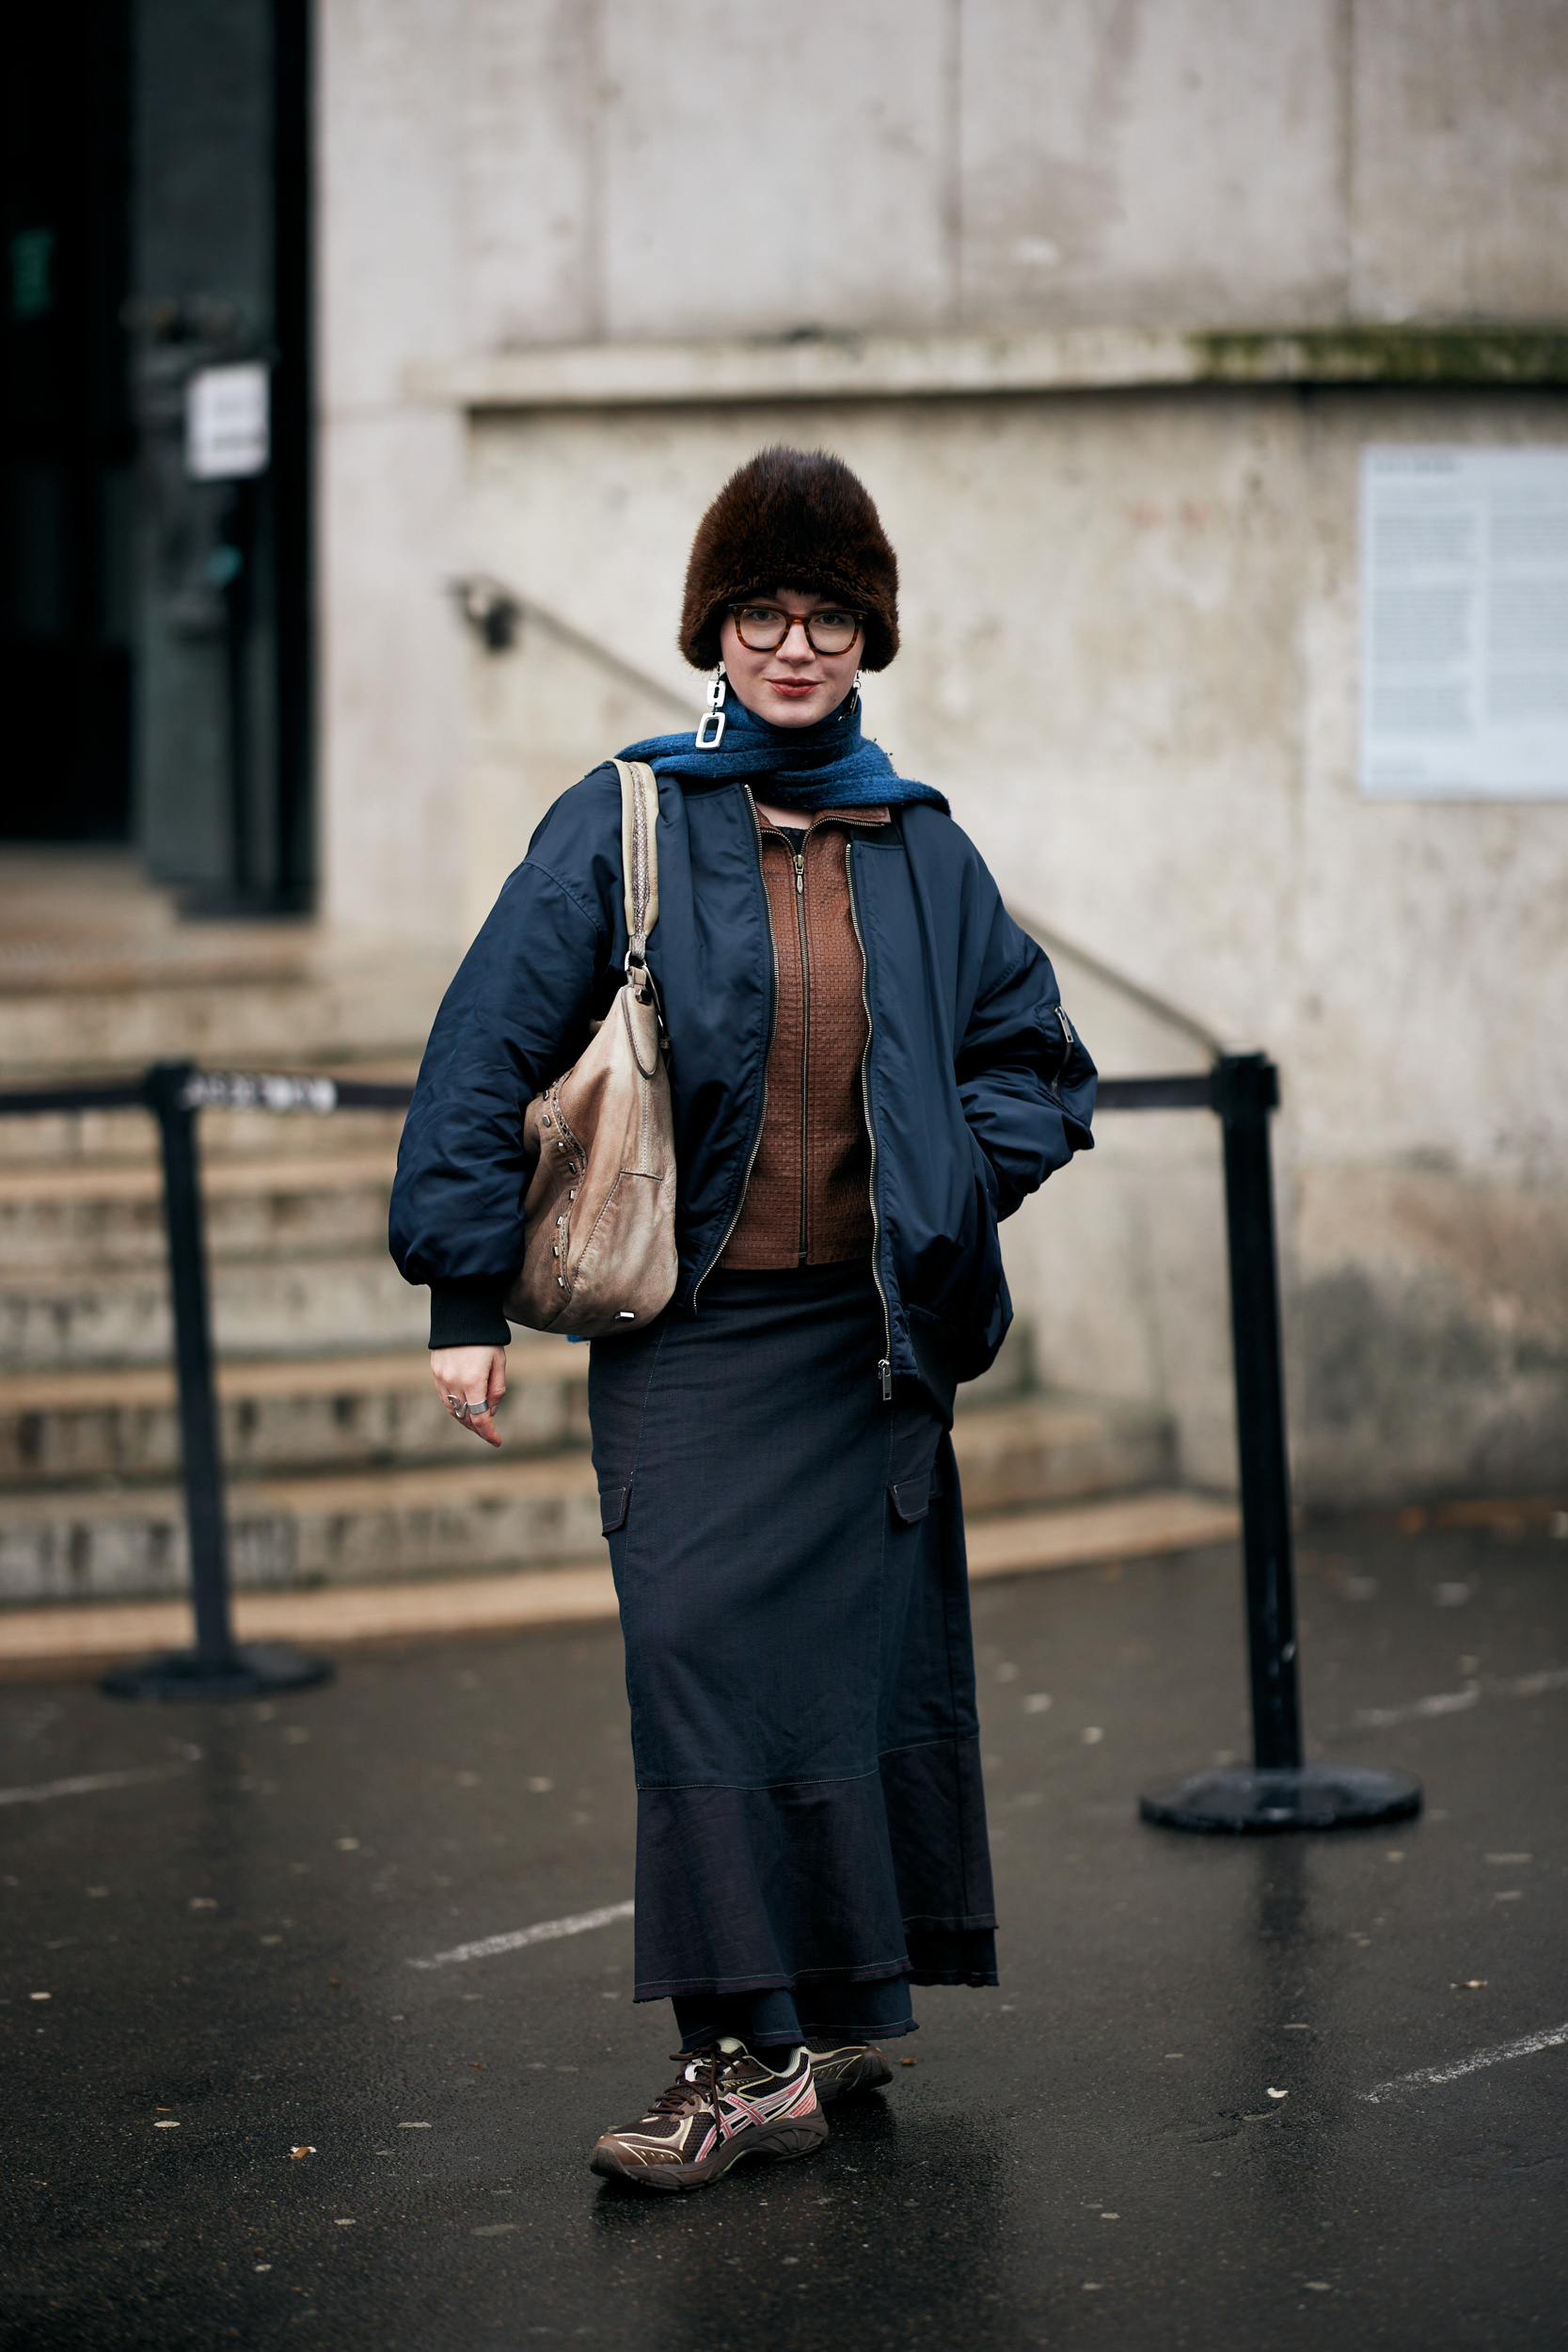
(788,1555)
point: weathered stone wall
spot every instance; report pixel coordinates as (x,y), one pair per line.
(499,173)
(1130,660)
(1129,614)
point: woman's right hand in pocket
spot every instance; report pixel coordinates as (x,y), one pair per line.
(471,1383)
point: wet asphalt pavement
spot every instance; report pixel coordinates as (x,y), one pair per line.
(234,2112)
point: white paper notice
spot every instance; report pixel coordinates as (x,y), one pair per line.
(1464,624)
(226,422)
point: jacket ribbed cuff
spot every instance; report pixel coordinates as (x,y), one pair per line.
(467,1314)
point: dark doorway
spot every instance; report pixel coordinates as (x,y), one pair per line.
(157,627)
(64,653)
(219,279)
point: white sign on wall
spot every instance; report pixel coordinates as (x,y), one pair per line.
(226,422)
(1464,624)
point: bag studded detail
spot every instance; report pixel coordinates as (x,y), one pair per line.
(600,1214)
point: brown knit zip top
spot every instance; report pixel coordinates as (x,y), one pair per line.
(808,1201)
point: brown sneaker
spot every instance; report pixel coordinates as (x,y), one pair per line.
(838,2067)
(723,2105)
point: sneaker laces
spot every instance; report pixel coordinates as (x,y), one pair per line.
(697,2084)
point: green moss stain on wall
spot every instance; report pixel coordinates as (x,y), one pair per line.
(1387,355)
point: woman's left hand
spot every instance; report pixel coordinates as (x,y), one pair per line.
(471,1383)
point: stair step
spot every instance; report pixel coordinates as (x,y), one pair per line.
(304,1010)
(1125,1527)
(334,1529)
(1050,1449)
(276,1414)
(137,1177)
(571,1594)
(353,1299)
(94,1148)
(475,1511)
(79,1222)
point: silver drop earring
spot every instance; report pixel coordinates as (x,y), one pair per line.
(713,714)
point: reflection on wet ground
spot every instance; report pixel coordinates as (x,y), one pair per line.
(235,2112)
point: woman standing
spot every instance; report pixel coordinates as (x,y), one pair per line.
(869,1069)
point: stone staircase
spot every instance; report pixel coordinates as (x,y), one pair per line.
(342,1469)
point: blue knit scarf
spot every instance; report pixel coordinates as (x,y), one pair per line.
(830,765)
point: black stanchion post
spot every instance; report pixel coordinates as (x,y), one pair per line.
(193,1355)
(1281,1791)
(217,1667)
(1247,1090)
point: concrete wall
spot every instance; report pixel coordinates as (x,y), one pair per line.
(1130,616)
(511,173)
(1129,658)
(389,518)
(577,169)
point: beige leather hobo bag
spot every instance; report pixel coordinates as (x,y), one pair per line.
(599,1213)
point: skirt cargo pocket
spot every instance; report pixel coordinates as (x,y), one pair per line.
(915,1477)
(613,1507)
(619,1374)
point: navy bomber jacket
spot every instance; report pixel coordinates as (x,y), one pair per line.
(976,1087)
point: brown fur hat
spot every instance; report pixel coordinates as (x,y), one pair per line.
(791,519)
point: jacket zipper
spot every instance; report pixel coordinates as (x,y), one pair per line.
(761,1114)
(884,1369)
(806,1036)
(1069,1039)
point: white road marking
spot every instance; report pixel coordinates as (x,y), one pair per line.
(544,1931)
(85,1784)
(1458,1702)
(1526,2046)
(1442,1703)
(1532,1686)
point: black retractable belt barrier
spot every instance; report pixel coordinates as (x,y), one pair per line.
(174,1091)
(1280,1791)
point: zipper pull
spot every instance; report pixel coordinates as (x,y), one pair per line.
(800,875)
(885,1369)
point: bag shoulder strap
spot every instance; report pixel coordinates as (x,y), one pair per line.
(638,852)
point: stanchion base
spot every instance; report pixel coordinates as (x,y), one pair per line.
(250,1671)
(1240,1801)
